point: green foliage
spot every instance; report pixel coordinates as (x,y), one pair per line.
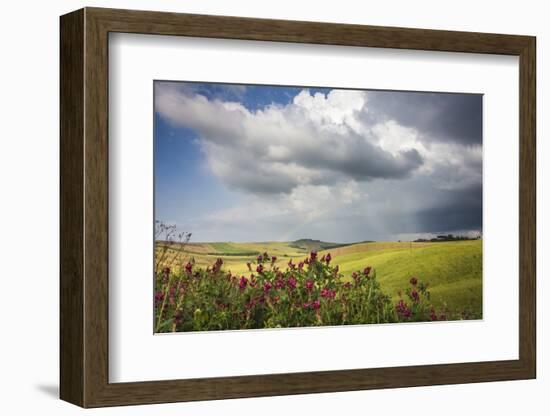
(311,292)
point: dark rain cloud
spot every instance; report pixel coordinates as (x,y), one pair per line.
(439,116)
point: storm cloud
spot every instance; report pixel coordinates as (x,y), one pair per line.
(345,165)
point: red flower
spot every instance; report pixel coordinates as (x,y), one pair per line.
(309,285)
(189,268)
(267,287)
(414,295)
(243,282)
(327,293)
(291,283)
(316,304)
(273,259)
(260,268)
(260,258)
(300,265)
(313,255)
(402,309)
(291,265)
(328,258)
(366,271)
(413,281)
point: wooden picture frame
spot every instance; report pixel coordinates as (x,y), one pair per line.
(84,207)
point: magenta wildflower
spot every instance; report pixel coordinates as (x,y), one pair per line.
(188,268)
(316,304)
(291,283)
(260,268)
(366,271)
(313,255)
(267,287)
(260,258)
(300,265)
(243,282)
(273,259)
(414,295)
(309,285)
(413,281)
(291,265)
(328,258)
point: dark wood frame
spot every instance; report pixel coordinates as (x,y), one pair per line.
(84,207)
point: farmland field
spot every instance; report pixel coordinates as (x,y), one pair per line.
(452,269)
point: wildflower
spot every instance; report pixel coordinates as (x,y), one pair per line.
(276,299)
(414,295)
(306,260)
(313,255)
(159,296)
(366,271)
(279,283)
(309,285)
(316,304)
(266,256)
(328,258)
(291,265)
(249,265)
(356,277)
(402,309)
(166,270)
(327,293)
(413,281)
(260,259)
(273,259)
(188,268)
(243,282)
(260,268)
(267,287)
(300,265)
(306,305)
(291,283)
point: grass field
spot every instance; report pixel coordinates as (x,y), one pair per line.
(453,270)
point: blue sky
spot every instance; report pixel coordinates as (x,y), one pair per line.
(264,163)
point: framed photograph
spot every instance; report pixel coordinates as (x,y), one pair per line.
(255,207)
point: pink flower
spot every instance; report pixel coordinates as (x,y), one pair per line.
(366,271)
(159,296)
(327,293)
(267,287)
(273,259)
(260,268)
(415,295)
(316,304)
(291,265)
(413,281)
(300,265)
(291,283)
(189,268)
(243,282)
(279,283)
(328,258)
(309,285)
(402,309)
(313,255)
(260,258)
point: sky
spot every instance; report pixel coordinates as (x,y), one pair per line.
(275,163)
